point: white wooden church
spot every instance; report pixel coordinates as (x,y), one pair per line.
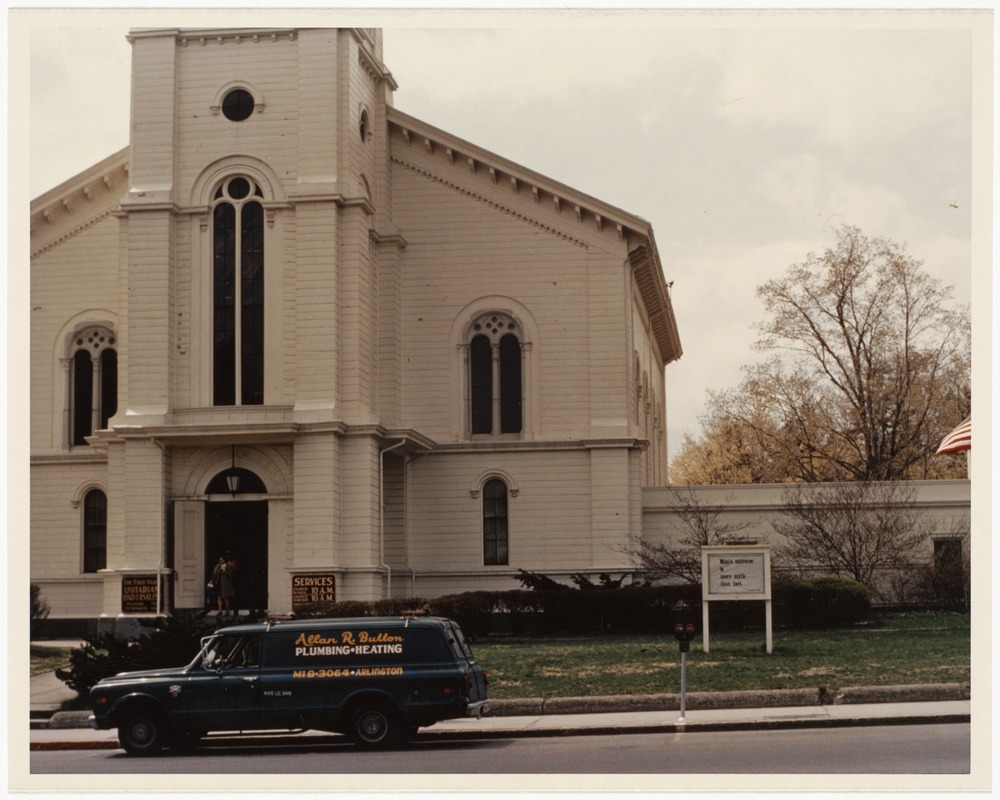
(367,358)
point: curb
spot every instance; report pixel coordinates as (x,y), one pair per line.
(694,701)
(700,701)
(291,739)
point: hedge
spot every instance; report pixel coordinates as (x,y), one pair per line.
(814,603)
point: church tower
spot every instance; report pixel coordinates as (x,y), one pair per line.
(248,345)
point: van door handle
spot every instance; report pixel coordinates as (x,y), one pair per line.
(250,678)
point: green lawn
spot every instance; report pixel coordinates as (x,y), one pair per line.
(46,659)
(899,649)
(902,649)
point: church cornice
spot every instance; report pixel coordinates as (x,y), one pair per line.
(656,298)
(206,36)
(487,201)
(371,66)
(515,179)
(79,203)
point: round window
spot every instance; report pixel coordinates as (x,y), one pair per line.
(237,105)
(239,188)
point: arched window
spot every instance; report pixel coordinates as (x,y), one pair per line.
(93,383)
(495,384)
(238,293)
(495,522)
(95,531)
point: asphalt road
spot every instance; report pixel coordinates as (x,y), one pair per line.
(892,750)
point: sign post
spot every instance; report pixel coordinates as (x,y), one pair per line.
(735,572)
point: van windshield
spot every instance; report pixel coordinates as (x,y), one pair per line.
(206,643)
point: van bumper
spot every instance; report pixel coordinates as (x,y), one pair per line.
(477,709)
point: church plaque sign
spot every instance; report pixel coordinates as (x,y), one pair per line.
(140,594)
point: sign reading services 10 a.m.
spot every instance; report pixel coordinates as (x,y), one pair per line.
(313,591)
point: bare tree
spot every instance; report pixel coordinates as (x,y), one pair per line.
(871,366)
(700,526)
(853,529)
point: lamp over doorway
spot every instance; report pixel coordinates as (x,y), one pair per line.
(233,478)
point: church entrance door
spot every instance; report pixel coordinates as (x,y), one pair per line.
(239,527)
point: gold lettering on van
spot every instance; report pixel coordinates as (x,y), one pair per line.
(314,639)
(348,639)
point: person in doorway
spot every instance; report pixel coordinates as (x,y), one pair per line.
(228,583)
(215,584)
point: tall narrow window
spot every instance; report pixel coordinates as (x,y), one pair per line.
(95,531)
(510,384)
(238,294)
(83,397)
(481,367)
(495,518)
(495,386)
(93,383)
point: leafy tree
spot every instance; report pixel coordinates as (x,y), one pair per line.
(680,558)
(870,368)
(39,610)
(854,529)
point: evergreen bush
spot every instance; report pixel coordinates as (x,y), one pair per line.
(166,642)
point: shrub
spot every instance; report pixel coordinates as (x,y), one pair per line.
(165,642)
(473,611)
(820,602)
(398,606)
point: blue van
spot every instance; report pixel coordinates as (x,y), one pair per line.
(376,680)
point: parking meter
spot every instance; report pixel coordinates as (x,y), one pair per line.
(684,634)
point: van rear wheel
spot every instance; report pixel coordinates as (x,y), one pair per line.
(375,725)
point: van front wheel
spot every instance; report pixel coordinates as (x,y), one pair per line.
(375,726)
(141,733)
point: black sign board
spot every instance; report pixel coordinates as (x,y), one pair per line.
(139,594)
(313,590)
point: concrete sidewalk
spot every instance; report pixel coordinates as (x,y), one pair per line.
(75,738)
(765,710)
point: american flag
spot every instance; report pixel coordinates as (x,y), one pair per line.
(958,439)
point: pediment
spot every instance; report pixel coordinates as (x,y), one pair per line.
(79,203)
(541,201)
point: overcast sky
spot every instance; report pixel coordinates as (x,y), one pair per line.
(745,140)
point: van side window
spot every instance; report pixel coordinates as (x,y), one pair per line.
(246,653)
(234,652)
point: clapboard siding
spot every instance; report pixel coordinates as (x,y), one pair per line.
(550,515)
(72,284)
(459,250)
(205,137)
(56,516)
